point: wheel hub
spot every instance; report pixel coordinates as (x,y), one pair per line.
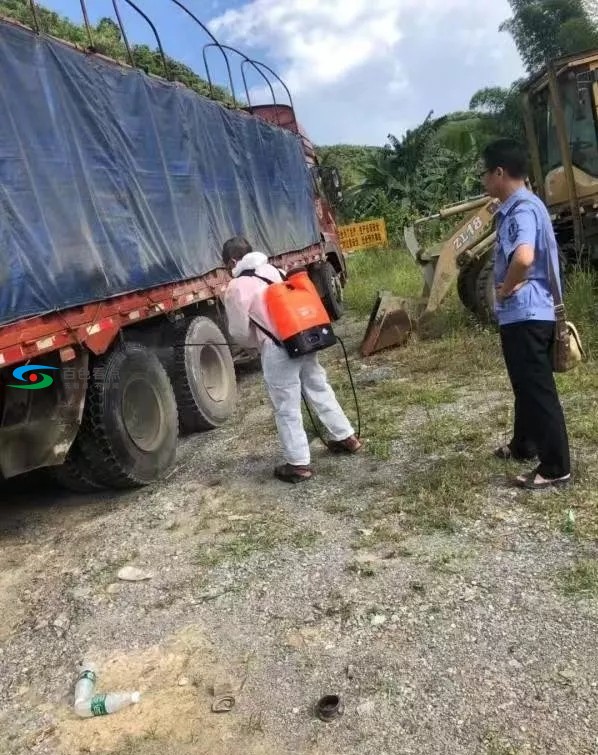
(209,370)
(143,415)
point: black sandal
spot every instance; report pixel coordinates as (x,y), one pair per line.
(293,474)
(505,454)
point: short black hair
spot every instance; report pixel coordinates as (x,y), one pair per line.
(508,154)
(235,249)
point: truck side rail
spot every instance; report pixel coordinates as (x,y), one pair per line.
(97,324)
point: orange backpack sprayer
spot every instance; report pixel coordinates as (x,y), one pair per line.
(301,323)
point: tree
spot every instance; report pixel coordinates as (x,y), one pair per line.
(107,40)
(109,28)
(547,29)
(502,110)
(428,167)
(347,159)
(591,8)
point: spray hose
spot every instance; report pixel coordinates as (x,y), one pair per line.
(311,417)
(354,391)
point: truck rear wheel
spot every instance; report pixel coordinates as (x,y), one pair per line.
(204,380)
(329,284)
(129,431)
(74,473)
(485,296)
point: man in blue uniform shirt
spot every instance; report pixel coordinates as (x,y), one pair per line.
(526,257)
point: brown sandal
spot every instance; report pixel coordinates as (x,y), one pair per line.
(351,445)
(293,474)
(530,481)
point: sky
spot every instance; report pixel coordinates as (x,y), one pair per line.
(357,69)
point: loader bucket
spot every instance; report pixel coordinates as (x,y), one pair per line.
(391,323)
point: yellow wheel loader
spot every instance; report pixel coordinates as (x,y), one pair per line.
(560,106)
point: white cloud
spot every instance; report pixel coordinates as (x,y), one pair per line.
(355,65)
(320,41)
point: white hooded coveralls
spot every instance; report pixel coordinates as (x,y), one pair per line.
(285,378)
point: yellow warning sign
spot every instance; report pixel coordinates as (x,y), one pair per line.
(366,235)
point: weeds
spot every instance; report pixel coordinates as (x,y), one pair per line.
(362,569)
(582,306)
(242,540)
(495,744)
(448,563)
(443,432)
(581,579)
(373,271)
(379,535)
(439,496)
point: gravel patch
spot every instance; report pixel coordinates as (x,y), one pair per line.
(449,641)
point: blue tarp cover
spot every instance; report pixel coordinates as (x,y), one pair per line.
(111,181)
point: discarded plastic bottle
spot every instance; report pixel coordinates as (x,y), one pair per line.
(85,686)
(88,705)
(103,705)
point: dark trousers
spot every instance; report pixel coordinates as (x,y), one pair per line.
(539,420)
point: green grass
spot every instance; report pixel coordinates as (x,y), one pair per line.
(581,579)
(379,534)
(437,496)
(448,431)
(380,270)
(450,561)
(496,744)
(440,495)
(581,301)
(241,540)
(442,377)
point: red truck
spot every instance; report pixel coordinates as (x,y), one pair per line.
(118,189)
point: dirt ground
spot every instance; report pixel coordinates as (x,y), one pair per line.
(453,614)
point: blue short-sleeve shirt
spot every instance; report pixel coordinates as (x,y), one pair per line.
(524,219)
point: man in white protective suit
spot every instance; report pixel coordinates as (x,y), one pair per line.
(285,378)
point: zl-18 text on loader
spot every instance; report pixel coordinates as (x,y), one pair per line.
(465,256)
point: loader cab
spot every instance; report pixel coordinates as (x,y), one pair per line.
(561,120)
(577,102)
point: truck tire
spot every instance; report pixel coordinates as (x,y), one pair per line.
(205,384)
(130,426)
(329,284)
(74,473)
(484,291)
(466,283)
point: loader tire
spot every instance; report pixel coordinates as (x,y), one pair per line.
(329,284)
(484,291)
(466,283)
(74,474)
(205,384)
(129,431)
